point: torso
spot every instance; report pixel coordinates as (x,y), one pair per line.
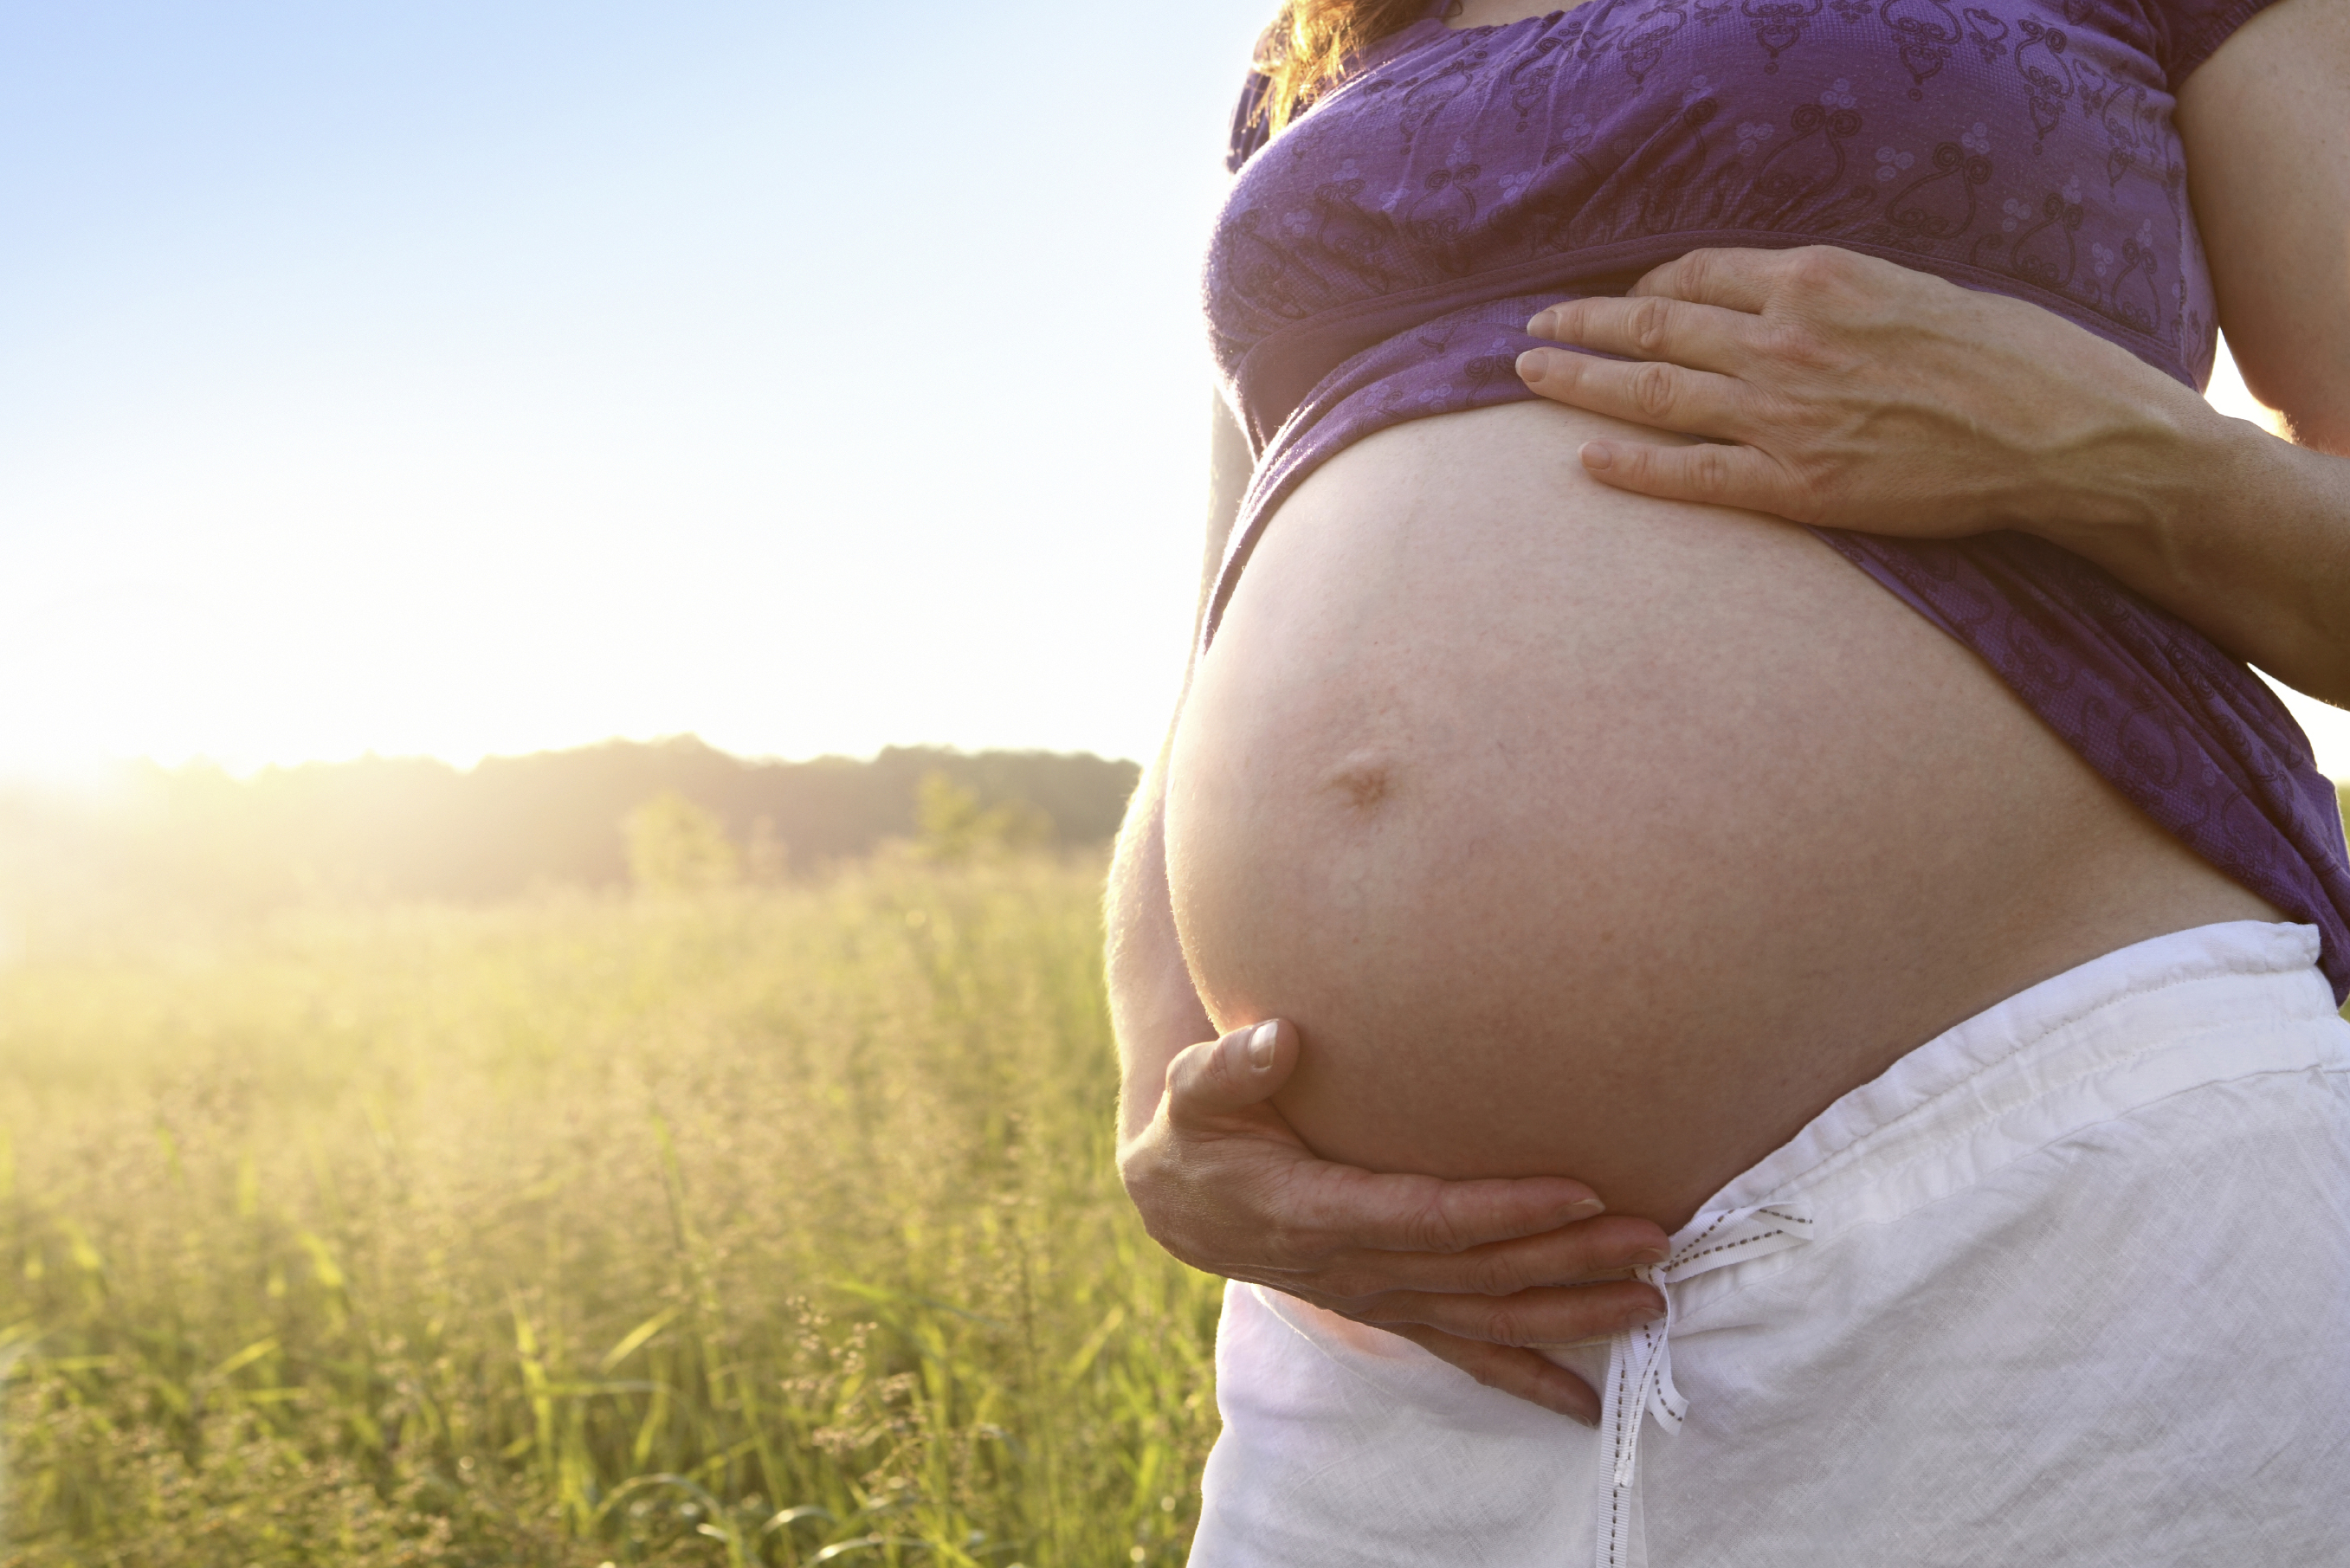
(1589,834)
(1376,260)
(1582,833)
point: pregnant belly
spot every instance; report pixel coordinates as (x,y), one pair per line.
(1587,833)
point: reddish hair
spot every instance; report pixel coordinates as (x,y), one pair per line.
(1310,42)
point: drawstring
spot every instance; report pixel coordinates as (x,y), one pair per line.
(1640,1360)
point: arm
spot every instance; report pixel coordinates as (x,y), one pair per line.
(1862,395)
(1471,1271)
(1154,1011)
(2257,552)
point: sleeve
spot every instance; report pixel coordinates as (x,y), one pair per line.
(2188,32)
(1251,121)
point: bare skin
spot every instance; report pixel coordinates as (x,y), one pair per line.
(1582,831)
(1804,368)
(1225,1179)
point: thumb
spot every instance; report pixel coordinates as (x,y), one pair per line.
(1217,1077)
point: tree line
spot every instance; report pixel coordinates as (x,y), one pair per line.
(393,829)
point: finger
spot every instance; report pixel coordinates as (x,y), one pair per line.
(1664,397)
(1521,1373)
(1424,1214)
(1569,1316)
(1734,279)
(1217,1077)
(1702,336)
(1601,1249)
(1719,475)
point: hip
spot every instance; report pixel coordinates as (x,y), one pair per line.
(2074,1291)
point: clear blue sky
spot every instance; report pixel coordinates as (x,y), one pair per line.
(465,377)
(452,378)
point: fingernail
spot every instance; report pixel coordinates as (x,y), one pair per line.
(1577,1414)
(1596,454)
(1648,1255)
(1643,1314)
(1260,1045)
(1585,1210)
(1541,322)
(1530,365)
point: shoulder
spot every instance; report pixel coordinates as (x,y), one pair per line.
(1252,120)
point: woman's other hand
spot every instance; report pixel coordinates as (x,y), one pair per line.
(1849,393)
(1476,1272)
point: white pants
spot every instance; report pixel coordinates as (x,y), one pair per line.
(2068,1284)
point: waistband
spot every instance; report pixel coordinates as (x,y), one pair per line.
(2160,1017)
(2163,1017)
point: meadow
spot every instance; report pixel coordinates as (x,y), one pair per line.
(752,1226)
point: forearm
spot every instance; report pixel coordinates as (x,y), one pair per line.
(1154,1010)
(2243,536)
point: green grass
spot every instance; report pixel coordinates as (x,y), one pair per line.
(731,1230)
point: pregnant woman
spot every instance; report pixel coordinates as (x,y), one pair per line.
(1783,758)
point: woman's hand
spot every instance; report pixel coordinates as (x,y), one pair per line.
(1845,392)
(1473,1272)
(1855,393)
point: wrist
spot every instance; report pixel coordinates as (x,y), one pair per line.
(2141,498)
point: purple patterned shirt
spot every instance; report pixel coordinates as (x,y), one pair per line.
(1378,262)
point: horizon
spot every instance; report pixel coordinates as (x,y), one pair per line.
(99,772)
(2328,727)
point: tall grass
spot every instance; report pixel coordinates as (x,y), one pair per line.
(761,1226)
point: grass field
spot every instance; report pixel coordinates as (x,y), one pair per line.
(759,1227)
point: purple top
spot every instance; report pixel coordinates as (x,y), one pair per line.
(1378,261)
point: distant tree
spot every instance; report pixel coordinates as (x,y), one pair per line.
(193,843)
(952,825)
(676,846)
(768,859)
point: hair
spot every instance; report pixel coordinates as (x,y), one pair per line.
(1310,42)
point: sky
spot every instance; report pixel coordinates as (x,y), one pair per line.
(464,378)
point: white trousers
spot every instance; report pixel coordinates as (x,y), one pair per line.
(2068,1284)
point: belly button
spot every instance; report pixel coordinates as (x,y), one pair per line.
(1364,783)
